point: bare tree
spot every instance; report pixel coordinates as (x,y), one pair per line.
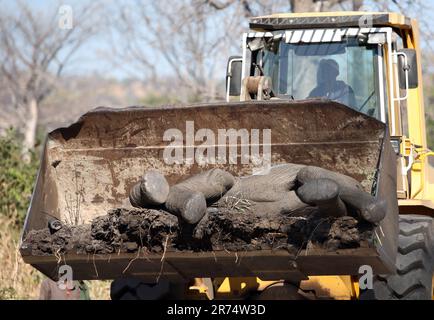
(34,50)
(315,5)
(289,5)
(189,39)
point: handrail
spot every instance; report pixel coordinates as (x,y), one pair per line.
(396,54)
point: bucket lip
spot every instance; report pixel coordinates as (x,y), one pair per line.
(190,254)
(243,105)
(279,102)
(345,261)
(39,174)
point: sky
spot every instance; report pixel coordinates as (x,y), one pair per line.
(89,58)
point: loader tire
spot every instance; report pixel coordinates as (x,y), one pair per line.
(414,263)
(136,289)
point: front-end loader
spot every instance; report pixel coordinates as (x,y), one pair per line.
(342,91)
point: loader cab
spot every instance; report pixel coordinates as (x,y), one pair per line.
(363,67)
(344,64)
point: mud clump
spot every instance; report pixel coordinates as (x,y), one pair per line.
(120,230)
(330,233)
(43,242)
(129,230)
(233,231)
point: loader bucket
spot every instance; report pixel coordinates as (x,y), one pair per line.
(89,167)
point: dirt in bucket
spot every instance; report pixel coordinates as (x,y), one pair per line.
(128,230)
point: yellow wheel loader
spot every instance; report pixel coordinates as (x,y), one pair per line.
(338,90)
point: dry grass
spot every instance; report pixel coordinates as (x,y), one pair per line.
(17,279)
(99,290)
(21,281)
(237,202)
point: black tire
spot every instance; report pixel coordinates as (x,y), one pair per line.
(414,263)
(281,291)
(135,289)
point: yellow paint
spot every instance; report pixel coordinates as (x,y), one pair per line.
(322,287)
(225,287)
(331,287)
(237,286)
(428,203)
(422,174)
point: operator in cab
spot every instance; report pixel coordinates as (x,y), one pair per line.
(330,88)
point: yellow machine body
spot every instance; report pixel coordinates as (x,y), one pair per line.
(415,190)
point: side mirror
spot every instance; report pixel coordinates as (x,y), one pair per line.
(407,62)
(233,76)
